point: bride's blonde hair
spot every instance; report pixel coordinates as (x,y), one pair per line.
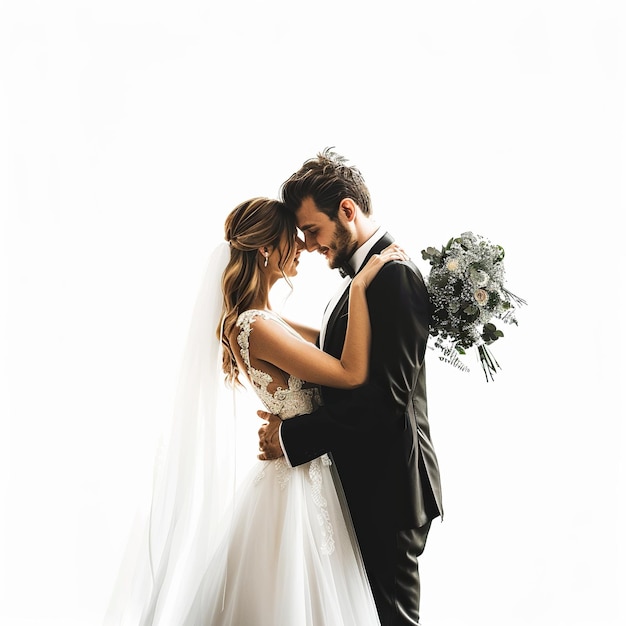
(253,224)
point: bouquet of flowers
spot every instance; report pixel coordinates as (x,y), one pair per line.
(466,288)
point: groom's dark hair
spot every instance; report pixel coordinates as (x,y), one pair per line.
(327,179)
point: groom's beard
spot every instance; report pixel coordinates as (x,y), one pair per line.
(343,246)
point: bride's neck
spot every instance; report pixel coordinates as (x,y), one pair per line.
(261,305)
(262,300)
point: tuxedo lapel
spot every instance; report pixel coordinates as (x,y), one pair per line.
(332,340)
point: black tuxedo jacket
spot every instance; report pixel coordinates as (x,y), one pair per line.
(378,435)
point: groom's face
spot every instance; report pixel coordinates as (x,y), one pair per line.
(332,239)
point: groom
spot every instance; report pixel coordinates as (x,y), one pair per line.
(378,435)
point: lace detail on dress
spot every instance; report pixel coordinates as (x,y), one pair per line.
(283,472)
(315,475)
(260,476)
(286,403)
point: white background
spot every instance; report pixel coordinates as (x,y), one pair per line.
(129,129)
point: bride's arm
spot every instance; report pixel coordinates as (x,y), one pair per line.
(272,343)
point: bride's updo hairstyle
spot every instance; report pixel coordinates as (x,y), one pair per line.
(253,224)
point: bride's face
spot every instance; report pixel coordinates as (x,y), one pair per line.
(291,263)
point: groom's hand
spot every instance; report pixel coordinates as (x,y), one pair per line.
(269,439)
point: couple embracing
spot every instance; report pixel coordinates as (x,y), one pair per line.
(327,528)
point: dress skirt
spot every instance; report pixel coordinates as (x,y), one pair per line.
(289,558)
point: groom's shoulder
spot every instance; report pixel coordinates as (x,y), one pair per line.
(386,240)
(399,276)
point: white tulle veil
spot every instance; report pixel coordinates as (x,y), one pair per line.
(194,480)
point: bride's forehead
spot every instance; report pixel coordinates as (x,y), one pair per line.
(290,235)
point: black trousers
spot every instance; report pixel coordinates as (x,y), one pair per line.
(390,558)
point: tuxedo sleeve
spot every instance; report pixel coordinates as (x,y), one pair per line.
(400,315)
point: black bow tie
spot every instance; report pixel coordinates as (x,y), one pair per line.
(347,270)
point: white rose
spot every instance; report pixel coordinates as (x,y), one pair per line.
(452,265)
(481,297)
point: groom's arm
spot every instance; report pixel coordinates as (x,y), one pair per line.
(305,437)
(400,312)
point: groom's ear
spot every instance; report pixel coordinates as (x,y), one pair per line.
(348,208)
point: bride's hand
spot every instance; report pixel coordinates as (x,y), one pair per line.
(394,252)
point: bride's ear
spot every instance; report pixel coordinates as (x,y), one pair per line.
(265,252)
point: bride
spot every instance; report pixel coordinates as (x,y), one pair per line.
(278,547)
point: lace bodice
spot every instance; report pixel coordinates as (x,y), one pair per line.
(296,399)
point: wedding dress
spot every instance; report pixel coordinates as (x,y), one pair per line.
(289,557)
